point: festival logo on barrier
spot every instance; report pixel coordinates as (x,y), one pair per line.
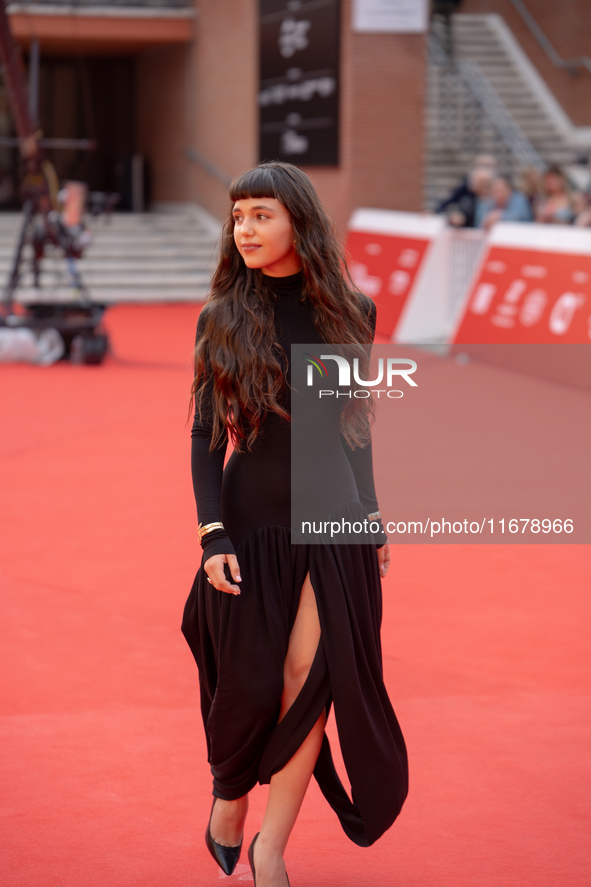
(527,296)
(384,267)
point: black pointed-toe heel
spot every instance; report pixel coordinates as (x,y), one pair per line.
(251,861)
(226,857)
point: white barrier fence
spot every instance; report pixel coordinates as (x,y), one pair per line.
(521,282)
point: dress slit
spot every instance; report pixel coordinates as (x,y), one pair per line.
(299,719)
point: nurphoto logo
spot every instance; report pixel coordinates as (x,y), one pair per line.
(396,369)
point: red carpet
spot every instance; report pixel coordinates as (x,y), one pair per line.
(104,780)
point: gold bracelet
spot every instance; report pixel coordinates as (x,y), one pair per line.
(375,515)
(208,528)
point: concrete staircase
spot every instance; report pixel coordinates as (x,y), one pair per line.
(487,40)
(147,257)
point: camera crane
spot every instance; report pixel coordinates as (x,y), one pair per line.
(77,322)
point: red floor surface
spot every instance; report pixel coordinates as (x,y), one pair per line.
(104,777)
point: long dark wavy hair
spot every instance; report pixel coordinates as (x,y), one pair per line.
(236,354)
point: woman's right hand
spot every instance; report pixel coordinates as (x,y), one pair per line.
(214,569)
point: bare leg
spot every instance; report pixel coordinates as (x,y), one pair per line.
(288,786)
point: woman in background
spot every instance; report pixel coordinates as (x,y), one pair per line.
(555,206)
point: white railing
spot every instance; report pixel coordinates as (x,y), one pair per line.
(465,249)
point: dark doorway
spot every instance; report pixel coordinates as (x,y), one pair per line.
(91,97)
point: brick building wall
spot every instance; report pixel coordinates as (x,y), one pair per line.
(387,121)
(567,24)
(205,95)
(163,112)
(224,74)
(200,95)
(383,79)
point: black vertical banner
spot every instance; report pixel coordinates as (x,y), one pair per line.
(299,81)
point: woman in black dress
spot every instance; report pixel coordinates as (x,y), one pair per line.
(281,631)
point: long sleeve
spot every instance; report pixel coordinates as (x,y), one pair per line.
(361,462)
(361,459)
(455,197)
(207,471)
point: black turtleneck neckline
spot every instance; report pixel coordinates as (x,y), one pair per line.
(292,285)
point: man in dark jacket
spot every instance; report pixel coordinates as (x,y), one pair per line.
(460,206)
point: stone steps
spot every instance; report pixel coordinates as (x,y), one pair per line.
(142,257)
(476,38)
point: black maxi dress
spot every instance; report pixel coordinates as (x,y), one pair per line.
(240,642)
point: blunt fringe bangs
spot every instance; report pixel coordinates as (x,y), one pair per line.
(256,182)
(237,364)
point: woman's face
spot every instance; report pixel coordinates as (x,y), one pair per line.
(264,236)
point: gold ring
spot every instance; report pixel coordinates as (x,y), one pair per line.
(209,580)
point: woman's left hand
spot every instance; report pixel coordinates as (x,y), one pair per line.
(384,559)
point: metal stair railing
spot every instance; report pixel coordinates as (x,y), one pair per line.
(500,118)
(571,65)
(212,169)
(471,116)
